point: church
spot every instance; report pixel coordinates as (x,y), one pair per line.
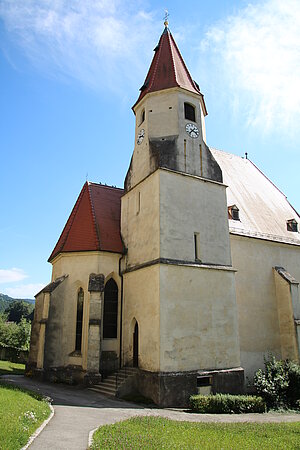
(183,281)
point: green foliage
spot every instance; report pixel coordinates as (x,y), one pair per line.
(279,383)
(17,309)
(15,335)
(21,413)
(155,433)
(5,301)
(227,404)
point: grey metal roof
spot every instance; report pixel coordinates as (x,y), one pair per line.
(264,209)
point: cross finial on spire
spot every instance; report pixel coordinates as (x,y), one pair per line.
(166,22)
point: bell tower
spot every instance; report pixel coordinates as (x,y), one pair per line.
(170,120)
(179,284)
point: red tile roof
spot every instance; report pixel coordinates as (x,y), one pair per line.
(94,223)
(168,69)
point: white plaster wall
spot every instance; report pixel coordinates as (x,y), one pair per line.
(198,319)
(191,205)
(256,296)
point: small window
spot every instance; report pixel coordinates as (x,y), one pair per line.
(196,246)
(233,212)
(79,319)
(189,112)
(142,117)
(292,225)
(204,381)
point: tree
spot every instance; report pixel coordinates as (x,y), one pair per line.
(16,335)
(18,309)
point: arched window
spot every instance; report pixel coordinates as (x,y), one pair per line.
(189,112)
(79,319)
(110,314)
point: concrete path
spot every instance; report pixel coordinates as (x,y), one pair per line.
(77,411)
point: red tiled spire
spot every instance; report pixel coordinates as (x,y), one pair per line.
(168,69)
(94,223)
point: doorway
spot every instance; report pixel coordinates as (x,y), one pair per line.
(136,346)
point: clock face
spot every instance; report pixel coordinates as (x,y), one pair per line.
(140,136)
(192,130)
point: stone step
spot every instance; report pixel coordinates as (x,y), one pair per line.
(103,390)
(109,385)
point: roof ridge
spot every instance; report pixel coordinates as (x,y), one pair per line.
(155,65)
(267,178)
(94,217)
(69,223)
(105,185)
(184,65)
(172,55)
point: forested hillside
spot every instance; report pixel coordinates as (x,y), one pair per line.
(5,301)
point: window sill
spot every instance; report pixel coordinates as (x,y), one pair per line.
(76,354)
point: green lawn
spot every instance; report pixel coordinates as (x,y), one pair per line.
(158,433)
(21,413)
(9,368)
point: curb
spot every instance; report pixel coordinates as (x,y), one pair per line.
(40,429)
(90,441)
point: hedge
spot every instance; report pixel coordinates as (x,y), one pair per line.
(227,404)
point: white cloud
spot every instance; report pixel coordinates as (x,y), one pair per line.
(12,275)
(97,42)
(24,290)
(257,59)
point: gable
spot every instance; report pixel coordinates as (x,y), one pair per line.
(94,223)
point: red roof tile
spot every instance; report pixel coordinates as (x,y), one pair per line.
(94,223)
(167,69)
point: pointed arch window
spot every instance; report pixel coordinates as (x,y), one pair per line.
(110,314)
(189,112)
(79,320)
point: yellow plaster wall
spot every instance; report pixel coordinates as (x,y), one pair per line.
(191,205)
(256,295)
(288,338)
(79,265)
(140,221)
(141,303)
(198,319)
(164,117)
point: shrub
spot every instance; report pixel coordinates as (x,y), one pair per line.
(279,383)
(227,404)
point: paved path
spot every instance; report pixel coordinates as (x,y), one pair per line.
(77,411)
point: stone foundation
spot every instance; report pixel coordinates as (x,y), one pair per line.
(175,388)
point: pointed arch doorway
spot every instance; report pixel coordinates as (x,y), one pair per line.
(136,345)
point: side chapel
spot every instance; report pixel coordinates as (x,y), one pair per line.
(189,275)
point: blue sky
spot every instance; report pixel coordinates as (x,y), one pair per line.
(70,72)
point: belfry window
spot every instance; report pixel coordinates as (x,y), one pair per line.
(233,212)
(79,320)
(292,225)
(142,117)
(189,112)
(110,314)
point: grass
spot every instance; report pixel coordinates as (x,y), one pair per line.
(10,368)
(158,433)
(21,413)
